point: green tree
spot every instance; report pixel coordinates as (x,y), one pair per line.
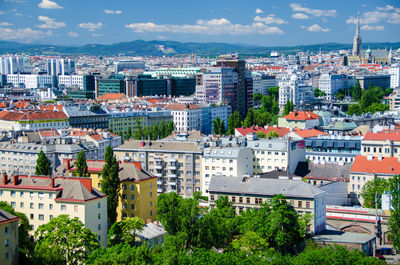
(250,120)
(81,165)
(234,121)
(289,107)
(257,97)
(272,135)
(370,188)
(110,183)
(125,231)
(43,165)
(260,135)
(216,126)
(64,241)
(25,244)
(317,93)
(263,118)
(356,91)
(354,109)
(394,220)
(274,92)
(376,107)
(122,254)
(129,133)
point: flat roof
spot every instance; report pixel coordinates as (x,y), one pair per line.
(342,237)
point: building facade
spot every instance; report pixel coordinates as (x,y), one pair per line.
(9,237)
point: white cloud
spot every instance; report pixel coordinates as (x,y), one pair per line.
(368,27)
(50,23)
(5,24)
(97,35)
(25,35)
(389,8)
(270,19)
(313,12)
(389,14)
(209,27)
(259,11)
(73,34)
(112,12)
(47,4)
(91,26)
(1,12)
(317,28)
(300,16)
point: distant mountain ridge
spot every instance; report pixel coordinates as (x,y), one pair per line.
(159,48)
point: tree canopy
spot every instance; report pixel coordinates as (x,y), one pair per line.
(394,220)
(379,185)
(218,126)
(43,165)
(81,165)
(125,231)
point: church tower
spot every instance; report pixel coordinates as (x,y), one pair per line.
(357,38)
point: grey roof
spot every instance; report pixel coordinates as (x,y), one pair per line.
(342,237)
(151,230)
(157,146)
(323,171)
(74,111)
(261,186)
(340,126)
(223,152)
(6,216)
(275,174)
(266,144)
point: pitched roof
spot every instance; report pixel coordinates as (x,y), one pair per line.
(112,96)
(29,116)
(382,136)
(387,165)
(309,133)
(261,186)
(281,131)
(183,106)
(6,217)
(301,116)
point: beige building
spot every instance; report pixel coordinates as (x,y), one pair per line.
(41,198)
(246,193)
(176,164)
(367,168)
(383,144)
(8,238)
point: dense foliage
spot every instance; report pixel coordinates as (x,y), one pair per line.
(110,183)
(81,165)
(289,107)
(369,100)
(394,220)
(125,231)
(157,131)
(376,185)
(218,126)
(43,165)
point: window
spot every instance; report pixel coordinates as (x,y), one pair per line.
(258,200)
(13,194)
(151,213)
(6,257)
(124,186)
(132,187)
(41,217)
(41,206)
(6,230)
(63,207)
(233,199)
(151,194)
(51,195)
(99,227)
(132,197)
(124,196)
(240,199)
(151,204)
(132,206)
(212,198)
(21,205)
(98,205)
(31,216)
(13,204)
(98,216)
(50,206)
(300,204)
(40,195)
(307,204)
(124,206)
(31,205)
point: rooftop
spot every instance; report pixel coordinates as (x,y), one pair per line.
(301,116)
(382,136)
(342,237)
(159,145)
(369,164)
(6,217)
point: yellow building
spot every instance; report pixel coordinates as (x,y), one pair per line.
(138,195)
(384,144)
(8,237)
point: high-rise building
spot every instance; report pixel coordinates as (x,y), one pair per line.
(60,67)
(240,93)
(357,38)
(11,65)
(394,76)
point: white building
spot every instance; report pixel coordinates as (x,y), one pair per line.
(60,67)
(30,80)
(332,83)
(67,81)
(24,121)
(261,83)
(394,72)
(225,161)
(293,88)
(11,65)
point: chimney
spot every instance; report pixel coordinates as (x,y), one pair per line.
(148,221)
(369,157)
(87,182)
(379,157)
(5,178)
(15,178)
(142,144)
(52,182)
(157,223)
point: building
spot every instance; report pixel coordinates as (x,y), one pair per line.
(176,164)
(31,81)
(332,149)
(152,234)
(385,144)
(114,84)
(41,198)
(68,81)
(82,117)
(32,121)
(225,161)
(367,81)
(129,65)
(11,65)
(367,168)
(300,119)
(88,91)
(261,83)
(394,73)
(339,127)
(245,193)
(393,100)
(138,194)
(292,87)
(9,235)
(357,39)
(60,67)
(241,91)
(332,83)
(281,131)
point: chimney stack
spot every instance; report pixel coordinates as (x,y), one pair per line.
(52,182)
(5,178)
(15,177)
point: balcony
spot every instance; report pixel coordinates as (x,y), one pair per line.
(172,160)
(172,182)
(158,167)
(160,190)
(160,182)
(172,167)
(158,174)
(172,175)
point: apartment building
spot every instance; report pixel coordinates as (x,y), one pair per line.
(69,81)
(225,161)
(41,198)
(248,192)
(31,81)
(331,83)
(367,168)
(176,164)
(394,72)
(385,144)
(9,237)
(300,119)
(138,194)
(32,121)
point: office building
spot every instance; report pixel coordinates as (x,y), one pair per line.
(367,81)
(60,67)
(300,119)
(129,65)
(332,83)
(31,81)
(11,65)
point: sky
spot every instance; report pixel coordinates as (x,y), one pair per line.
(253,22)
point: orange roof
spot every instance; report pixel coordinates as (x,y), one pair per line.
(301,116)
(27,116)
(183,106)
(388,165)
(51,107)
(281,131)
(112,96)
(382,136)
(48,133)
(309,133)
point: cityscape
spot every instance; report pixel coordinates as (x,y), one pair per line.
(205,133)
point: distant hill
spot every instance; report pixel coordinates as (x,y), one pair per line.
(159,48)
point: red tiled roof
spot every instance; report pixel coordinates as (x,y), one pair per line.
(301,116)
(28,116)
(382,136)
(309,133)
(112,96)
(282,131)
(51,107)
(183,106)
(388,165)
(48,133)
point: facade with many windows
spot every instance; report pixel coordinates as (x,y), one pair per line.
(8,238)
(41,198)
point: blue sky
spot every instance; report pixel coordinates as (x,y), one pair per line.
(264,22)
